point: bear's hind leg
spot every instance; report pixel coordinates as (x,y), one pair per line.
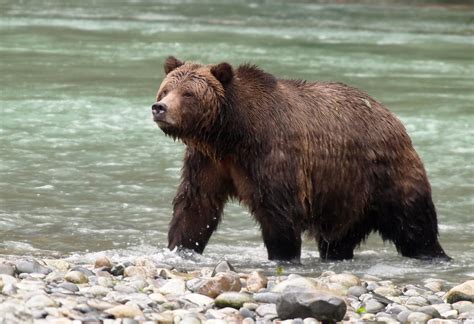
(412,226)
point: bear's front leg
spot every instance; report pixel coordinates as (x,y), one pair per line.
(281,236)
(198,205)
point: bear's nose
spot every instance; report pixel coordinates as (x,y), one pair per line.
(158,108)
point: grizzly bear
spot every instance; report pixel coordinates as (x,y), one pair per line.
(316,157)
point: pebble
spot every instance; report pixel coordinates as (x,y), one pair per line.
(76,277)
(232,299)
(7,269)
(103,293)
(102,262)
(356,291)
(122,311)
(418,317)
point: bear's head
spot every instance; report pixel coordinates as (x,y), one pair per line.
(190,98)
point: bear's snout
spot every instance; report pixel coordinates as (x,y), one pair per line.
(158,109)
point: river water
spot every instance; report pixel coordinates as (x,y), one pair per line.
(85,171)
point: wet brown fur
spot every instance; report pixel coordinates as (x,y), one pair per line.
(315,157)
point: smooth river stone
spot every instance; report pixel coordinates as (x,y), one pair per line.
(232,299)
(76,277)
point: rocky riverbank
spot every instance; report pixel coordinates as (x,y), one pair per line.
(142,291)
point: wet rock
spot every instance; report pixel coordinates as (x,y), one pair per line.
(102,262)
(418,317)
(222,266)
(212,287)
(40,301)
(174,287)
(232,299)
(320,305)
(122,311)
(464,291)
(76,277)
(356,291)
(256,281)
(31,266)
(7,269)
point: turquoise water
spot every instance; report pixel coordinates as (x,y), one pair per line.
(85,171)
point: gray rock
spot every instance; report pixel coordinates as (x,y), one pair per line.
(395,309)
(356,291)
(430,310)
(373,306)
(371,286)
(85,271)
(418,317)
(31,266)
(320,305)
(463,306)
(467,316)
(451,314)
(402,317)
(266,297)
(267,310)
(222,266)
(232,299)
(9,289)
(433,299)
(40,301)
(442,308)
(124,288)
(7,269)
(69,286)
(245,312)
(416,301)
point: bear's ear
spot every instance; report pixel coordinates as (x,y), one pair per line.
(171,63)
(223,73)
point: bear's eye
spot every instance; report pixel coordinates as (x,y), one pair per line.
(163,94)
(188,94)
